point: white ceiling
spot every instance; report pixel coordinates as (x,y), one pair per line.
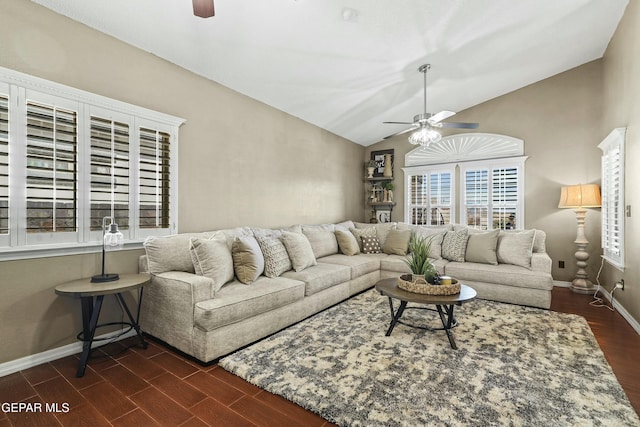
(349,75)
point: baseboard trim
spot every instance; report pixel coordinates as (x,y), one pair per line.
(54,354)
(620,309)
(561,284)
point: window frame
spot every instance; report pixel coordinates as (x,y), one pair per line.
(20,88)
(613,207)
(428,171)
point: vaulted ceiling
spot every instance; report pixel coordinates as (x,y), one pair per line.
(348,65)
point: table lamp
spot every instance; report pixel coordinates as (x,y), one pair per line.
(580,197)
(111,238)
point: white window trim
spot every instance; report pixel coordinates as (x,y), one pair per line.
(510,162)
(18,85)
(615,140)
(428,170)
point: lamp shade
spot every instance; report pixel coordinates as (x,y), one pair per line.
(580,196)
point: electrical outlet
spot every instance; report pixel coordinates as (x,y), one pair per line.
(620,284)
(560,264)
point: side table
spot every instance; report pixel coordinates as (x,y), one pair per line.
(86,291)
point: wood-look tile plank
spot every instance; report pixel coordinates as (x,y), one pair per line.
(160,407)
(139,365)
(58,390)
(15,388)
(124,380)
(136,417)
(84,415)
(108,400)
(290,409)
(216,414)
(178,367)
(235,381)
(40,373)
(178,390)
(68,367)
(194,422)
(33,419)
(215,388)
(262,414)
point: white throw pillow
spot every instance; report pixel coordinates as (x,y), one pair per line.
(516,248)
(276,258)
(212,258)
(299,250)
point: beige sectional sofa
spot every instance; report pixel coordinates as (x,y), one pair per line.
(210,294)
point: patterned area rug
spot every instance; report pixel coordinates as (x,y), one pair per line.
(514,365)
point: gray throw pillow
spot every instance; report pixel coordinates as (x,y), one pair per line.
(347,242)
(248,261)
(515,248)
(454,245)
(212,258)
(276,258)
(299,250)
(397,242)
(481,247)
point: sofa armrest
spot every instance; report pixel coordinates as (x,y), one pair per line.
(540,261)
(187,286)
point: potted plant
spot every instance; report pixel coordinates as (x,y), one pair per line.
(371,166)
(418,259)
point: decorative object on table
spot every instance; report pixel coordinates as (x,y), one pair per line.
(410,378)
(425,124)
(580,197)
(419,285)
(112,238)
(371,167)
(418,259)
(383,159)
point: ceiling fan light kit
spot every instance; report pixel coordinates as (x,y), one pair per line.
(423,124)
(203,8)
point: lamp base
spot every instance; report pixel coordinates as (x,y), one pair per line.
(101,278)
(582,286)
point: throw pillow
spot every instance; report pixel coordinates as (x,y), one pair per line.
(323,243)
(276,258)
(435,235)
(516,248)
(359,233)
(169,253)
(397,242)
(347,243)
(481,247)
(370,245)
(212,258)
(382,229)
(248,261)
(299,250)
(454,245)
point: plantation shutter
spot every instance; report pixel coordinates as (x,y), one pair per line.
(419,199)
(4,164)
(612,190)
(51,169)
(109,172)
(154,161)
(440,197)
(476,198)
(504,197)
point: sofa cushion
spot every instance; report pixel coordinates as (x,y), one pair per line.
(323,240)
(436,236)
(345,225)
(382,229)
(397,242)
(320,276)
(481,247)
(454,245)
(170,253)
(299,250)
(516,248)
(212,258)
(347,242)
(502,274)
(248,261)
(359,265)
(370,245)
(236,302)
(276,258)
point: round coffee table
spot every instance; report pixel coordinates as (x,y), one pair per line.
(444,305)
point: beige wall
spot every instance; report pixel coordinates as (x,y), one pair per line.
(241,162)
(559,121)
(622,109)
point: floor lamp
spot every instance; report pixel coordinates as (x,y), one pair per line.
(580,197)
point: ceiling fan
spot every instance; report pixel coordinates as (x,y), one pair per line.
(203,8)
(425,124)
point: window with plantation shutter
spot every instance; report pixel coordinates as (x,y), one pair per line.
(51,173)
(154,178)
(430,195)
(476,198)
(110,153)
(504,197)
(69,158)
(612,193)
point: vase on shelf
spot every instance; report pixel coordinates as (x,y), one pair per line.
(370,172)
(388,167)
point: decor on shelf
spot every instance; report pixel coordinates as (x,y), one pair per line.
(388,191)
(112,239)
(580,197)
(384,161)
(371,167)
(418,259)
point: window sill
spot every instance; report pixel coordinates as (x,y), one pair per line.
(614,263)
(12,254)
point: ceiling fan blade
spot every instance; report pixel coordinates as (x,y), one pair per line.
(203,8)
(458,125)
(442,115)
(398,123)
(401,132)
